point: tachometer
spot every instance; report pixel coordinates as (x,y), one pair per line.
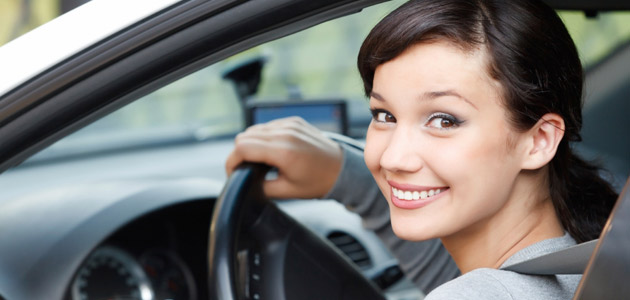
(111,273)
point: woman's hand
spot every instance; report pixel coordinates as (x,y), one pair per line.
(308,162)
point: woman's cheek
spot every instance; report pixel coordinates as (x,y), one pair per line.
(375,145)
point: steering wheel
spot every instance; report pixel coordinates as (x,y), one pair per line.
(256,251)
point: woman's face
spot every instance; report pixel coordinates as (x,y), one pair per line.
(439,145)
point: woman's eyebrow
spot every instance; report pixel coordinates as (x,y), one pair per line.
(437,94)
(376,96)
(430,96)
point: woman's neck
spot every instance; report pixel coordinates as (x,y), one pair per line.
(524,220)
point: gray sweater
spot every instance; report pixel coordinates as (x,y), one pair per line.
(429,265)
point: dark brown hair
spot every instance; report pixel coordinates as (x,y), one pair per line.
(533,57)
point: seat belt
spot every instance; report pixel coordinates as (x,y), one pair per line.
(572,260)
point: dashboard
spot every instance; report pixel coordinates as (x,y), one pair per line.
(163,255)
(138,221)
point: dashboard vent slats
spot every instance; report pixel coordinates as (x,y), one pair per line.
(351,248)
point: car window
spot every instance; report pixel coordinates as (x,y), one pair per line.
(596,37)
(603,43)
(18,17)
(195,108)
(316,64)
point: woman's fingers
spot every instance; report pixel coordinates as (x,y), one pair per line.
(252,148)
(308,163)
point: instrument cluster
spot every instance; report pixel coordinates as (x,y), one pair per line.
(159,256)
(113,273)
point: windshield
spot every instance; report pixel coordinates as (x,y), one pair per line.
(315,64)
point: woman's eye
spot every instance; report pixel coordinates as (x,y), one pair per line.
(383,116)
(442,121)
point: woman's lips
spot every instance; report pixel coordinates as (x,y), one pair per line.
(408,196)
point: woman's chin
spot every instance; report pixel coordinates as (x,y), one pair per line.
(411,230)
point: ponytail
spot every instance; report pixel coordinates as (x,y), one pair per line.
(582,199)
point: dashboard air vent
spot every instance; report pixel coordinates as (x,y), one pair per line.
(351,248)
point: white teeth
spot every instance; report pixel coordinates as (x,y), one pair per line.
(414,195)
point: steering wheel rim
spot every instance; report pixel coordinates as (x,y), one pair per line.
(227,215)
(297,264)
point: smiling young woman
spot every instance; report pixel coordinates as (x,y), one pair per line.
(474,104)
(444,155)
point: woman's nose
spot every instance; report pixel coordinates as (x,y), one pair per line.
(402,153)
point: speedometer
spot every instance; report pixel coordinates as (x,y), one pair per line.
(169,276)
(111,273)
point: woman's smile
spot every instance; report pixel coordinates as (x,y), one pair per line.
(407,196)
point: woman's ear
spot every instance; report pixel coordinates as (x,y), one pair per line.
(543,140)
